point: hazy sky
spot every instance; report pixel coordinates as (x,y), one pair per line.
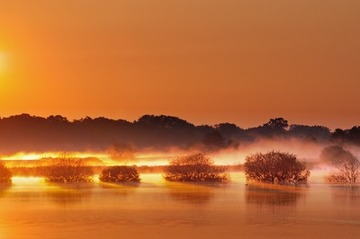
(207,61)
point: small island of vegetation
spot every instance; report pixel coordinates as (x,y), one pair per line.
(120,174)
(68,169)
(275,167)
(195,167)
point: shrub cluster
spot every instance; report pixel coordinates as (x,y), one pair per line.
(275,167)
(120,174)
(195,168)
(69,170)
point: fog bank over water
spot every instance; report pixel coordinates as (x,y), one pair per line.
(307,151)
(304,150)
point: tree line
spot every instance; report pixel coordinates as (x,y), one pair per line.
(159,132)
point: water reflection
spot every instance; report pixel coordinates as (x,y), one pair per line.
(4,187)
(199,194)
(273,204)
(66,197)
(346,195)
(277,195)
(119,189)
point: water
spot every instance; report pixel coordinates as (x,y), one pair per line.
(31,208)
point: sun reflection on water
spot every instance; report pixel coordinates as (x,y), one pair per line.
(17,180)
(153,178)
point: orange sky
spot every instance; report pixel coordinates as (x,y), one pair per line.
(206,61)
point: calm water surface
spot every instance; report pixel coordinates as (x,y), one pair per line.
(156,209)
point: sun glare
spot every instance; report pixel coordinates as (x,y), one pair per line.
(17,180)
(23,156)
(147,159)
(3,62)
(38,156)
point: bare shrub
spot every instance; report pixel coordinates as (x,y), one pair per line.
(67,169)
(346,165)
(195,168)
(275,167)
(120,174)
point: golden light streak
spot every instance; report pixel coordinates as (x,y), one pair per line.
(17,180)
(38,156)
(27,156)
(141,159)
(153,178)
(147,159)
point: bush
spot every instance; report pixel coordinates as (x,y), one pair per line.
(275,167)
(346,165)
(195,168)
(119,174)
(69,170)
(5,174)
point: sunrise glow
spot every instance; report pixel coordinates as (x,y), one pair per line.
(38,156)
(20,180)
(3,62)
(23,156)
(179,119)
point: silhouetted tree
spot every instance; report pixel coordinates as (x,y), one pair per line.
(275,127)
(119,174)
(5,174)
(195,167)
(160,132)
(275,167)
(339,136)
(277,124)
(229,130)
(354,135)
(163,121)
(346,164)
(67,169)
(347,136)
(57,119)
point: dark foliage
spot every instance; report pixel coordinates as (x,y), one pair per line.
(275,167)
(229,130)
(277,124)
(347,136)
(310,133)
(163,121)
(120,174)
(56,133)
(214,140)
(274,128)
(195,168)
